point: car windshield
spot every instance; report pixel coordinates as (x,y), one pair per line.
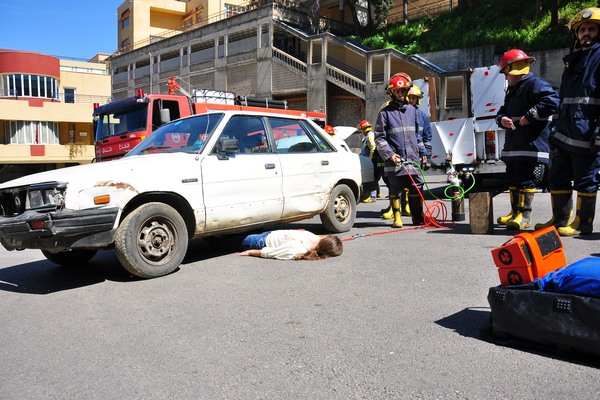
(188,135)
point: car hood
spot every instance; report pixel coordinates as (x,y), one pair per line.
(138,167)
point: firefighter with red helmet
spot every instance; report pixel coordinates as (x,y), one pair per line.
(576,132)
(528,105)
(400,144)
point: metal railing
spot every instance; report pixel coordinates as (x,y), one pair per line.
(59,98)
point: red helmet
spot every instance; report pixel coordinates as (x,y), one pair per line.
(329,129)
(365,126)
(514,56)
(397,81)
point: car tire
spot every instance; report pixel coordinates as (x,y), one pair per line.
(70,258)
(151,241)
(340,213)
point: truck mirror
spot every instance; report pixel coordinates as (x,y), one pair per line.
(165,115)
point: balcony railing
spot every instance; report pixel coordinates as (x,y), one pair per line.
(59,98)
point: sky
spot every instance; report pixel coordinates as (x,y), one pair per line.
(64,28)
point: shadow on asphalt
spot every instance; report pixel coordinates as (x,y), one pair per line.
(476,323)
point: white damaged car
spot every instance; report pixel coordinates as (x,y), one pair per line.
(210,174)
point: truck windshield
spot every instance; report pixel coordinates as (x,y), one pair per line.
(186,135)
(130,119)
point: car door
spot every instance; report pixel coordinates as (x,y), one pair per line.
(307,164)
(242,187)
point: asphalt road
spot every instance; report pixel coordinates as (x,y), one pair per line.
(399,315)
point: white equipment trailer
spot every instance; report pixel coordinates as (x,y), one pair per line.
(466,142)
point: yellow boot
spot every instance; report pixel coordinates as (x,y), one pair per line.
(397,215)
(523,217)
(562,209)
(387,213)
(514,196)
(405,204)
(583,224)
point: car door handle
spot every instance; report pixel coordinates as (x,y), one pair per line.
(269,166)
(324,162)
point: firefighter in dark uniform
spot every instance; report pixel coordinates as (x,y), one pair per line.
(575,135)
(399,144)
(529,103)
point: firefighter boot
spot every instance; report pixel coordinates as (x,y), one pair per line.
(562,208)
(583,224)
(416,206)
(405,204)
(514,196)
(387,213)
(521,220)
(397,215)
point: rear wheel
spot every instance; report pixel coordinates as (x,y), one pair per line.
(340,213)
(70,258)
(151,241)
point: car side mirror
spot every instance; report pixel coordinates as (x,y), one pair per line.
(227,146)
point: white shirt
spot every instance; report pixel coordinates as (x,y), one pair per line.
(285,244)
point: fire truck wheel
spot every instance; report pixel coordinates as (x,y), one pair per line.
(151,241)
(70,258)
(340,212)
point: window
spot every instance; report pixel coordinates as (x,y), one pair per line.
(231,10)
(293,136)
(25,85)
(250,133)
(69,95)
(32,132)
(125,23)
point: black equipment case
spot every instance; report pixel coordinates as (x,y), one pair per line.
(564,322)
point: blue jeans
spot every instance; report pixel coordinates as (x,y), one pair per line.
(255,241)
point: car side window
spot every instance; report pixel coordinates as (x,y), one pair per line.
(293,136)
(250,133)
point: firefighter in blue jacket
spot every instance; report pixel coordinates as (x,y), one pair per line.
(529,103)
(575,135)
(399,144)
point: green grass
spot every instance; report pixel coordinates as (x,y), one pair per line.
(505,23)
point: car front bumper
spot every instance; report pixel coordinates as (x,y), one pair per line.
(62,229)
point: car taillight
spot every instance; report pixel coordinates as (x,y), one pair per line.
(490,145)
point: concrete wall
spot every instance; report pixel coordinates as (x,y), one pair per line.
(548,65)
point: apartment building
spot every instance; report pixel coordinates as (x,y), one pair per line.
(257,49)
(46,106)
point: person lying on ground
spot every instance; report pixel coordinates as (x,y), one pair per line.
(291,245)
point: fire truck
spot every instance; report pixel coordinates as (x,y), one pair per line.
(120,125)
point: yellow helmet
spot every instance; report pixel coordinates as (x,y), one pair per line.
(591,14)
(415,91)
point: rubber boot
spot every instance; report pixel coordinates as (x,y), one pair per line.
(397,215)
(583,224)
(521,220)
(562,208)
(514,196)
(405,204)
(387,213)
(416,206)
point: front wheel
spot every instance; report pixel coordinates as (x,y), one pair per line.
(340,213)
(151,241)
(70,258)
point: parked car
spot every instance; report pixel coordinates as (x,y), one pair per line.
(210,174)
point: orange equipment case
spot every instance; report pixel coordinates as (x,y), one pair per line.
(528,256)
